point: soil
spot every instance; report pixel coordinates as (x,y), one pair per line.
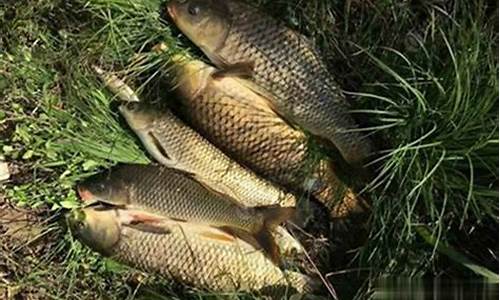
(24,240)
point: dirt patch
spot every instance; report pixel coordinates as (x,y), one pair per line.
(25,238)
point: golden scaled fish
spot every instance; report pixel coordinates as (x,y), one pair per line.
(163,192)
(240,122)
(241,40)
(175,145)
(200,256)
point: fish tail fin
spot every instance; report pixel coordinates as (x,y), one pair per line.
(273,216)
(288,244)
(262,240)
(268,244)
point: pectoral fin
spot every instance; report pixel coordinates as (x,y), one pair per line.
(275,215)
(136,217)
(145,222)
(91,200)
(149,228)
(266,99)
(157,150)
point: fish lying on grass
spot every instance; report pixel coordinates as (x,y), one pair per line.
(286,242)
(201,256)
(161,191)
(240,123)
(175,145)
(241,40)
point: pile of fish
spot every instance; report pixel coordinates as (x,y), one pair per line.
(209,212)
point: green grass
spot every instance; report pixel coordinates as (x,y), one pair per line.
(438,104)
(422,76)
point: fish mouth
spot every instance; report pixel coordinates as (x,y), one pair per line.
(129,106)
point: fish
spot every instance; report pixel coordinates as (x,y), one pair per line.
(197,255)
(123,91)
(175,145)
(161,191)
(288,245)
(239,122)
(275,61)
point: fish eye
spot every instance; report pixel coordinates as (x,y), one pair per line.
(101,187)
(193,9)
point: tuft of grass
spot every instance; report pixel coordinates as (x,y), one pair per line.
(438,105)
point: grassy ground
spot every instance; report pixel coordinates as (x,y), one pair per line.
(422,77)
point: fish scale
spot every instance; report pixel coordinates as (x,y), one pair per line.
(193,154)
(274,155)
(285,65)
(174,194)
(205,263)
(240,122)
(198,256)
(208,163)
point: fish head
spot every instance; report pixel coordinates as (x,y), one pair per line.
(141,117)
(205,22)
(192,77)
(105,188)
(150,125)
(96,227)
